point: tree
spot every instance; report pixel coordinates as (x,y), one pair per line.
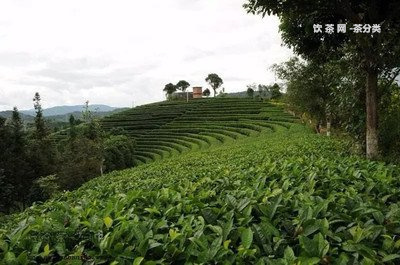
(389,133)
(72,127)
(310,87)
(182,85)
(6,193)
(87,115)
(118,152)
(41,130)
(43,152)
(263,91)
(92,130)
(14,162)
(250,92)
(169,89)
(6,187)
(275,91)
(215,82)
(373,53)
(82,156)
(206,92)
(81,161)
(17,131)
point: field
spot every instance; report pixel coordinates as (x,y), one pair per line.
(276,195)
(165,129)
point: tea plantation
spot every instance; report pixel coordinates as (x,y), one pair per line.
(169,128)
(274,194)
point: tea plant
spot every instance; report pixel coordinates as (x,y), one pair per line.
(289,197)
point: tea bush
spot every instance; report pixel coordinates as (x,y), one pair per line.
(288,197)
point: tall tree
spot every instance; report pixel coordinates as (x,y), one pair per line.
(6,188)
(41,130)
(17,131)
(169,89)
(374,52)
(215,82)
(43,151)
(14,160)
(182,85)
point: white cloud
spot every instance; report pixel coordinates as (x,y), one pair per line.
(118,51)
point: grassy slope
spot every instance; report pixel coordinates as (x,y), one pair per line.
(276,198)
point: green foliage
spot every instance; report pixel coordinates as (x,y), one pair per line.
(42,151)
(298,18)
(169,89)
(275,91)
(81,161)
(41,130)
(288,197)
(250,92)
(7,192)
(263,91)
(206,92)
(309,86)
(334,92)
(72,127)
(375,54)
(182,85)
(215,82)
(48,186)
(118,152)
(15,163)
(389,124)
(33,169)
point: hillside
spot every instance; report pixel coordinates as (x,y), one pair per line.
(8,114)
(169,128)
(278,194)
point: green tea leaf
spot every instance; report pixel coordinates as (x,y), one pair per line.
(246,237)
(138,261)
(391,257)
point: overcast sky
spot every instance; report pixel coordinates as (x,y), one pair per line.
(119,52)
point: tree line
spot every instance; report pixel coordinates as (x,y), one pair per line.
(343,79)
(264,91)
(34,165)
(212,79)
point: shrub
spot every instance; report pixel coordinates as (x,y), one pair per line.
(118,152)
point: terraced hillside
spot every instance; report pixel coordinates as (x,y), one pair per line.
(282,198)
(168,128)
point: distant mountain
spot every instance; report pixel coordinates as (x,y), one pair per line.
(62,110)
(78,115)
(8,113)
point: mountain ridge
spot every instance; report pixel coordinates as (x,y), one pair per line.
(65,109)
(62,113)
